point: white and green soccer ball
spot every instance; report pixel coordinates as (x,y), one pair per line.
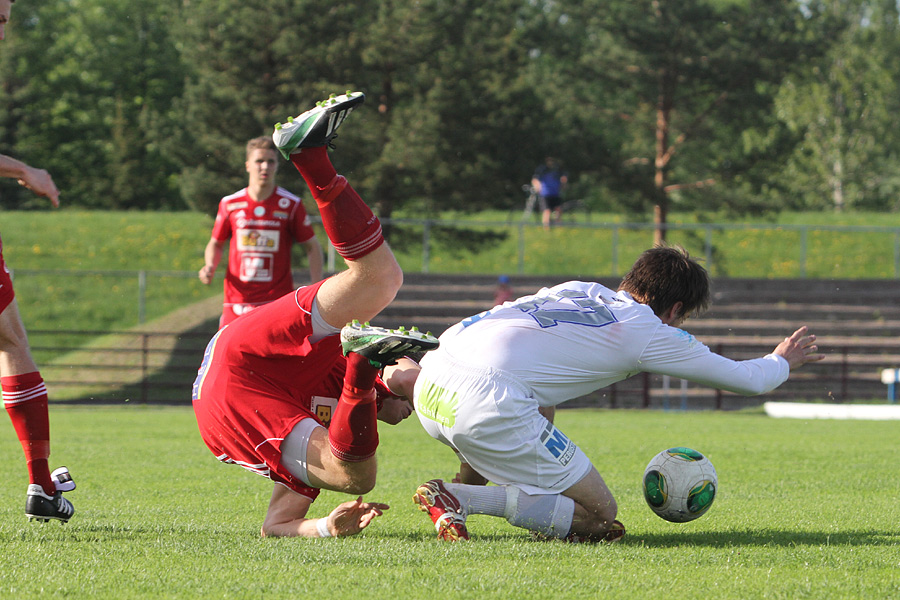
(680,484)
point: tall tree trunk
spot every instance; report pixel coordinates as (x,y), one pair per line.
(663,113)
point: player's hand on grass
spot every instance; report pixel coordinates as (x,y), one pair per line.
(799,349)
(349,518)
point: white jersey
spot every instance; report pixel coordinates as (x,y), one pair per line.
(569,340)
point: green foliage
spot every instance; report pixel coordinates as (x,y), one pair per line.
(80,242)
(844,110)
(90,83)
(745,106)
(801,504)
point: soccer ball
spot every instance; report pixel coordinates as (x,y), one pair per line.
(680,484)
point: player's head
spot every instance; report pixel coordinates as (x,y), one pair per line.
(665,275)
(262,159)
(263,142)
(5,6)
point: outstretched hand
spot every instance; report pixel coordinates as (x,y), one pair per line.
(40,182)
(799,349)
(349,518)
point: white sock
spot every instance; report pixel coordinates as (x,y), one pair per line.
(480,499)
(548,514)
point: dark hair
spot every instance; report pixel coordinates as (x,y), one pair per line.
(263,142)
(664,275)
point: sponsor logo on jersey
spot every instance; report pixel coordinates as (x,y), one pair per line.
(241,223)
(280,214)
(556,442)
(323,408)
(258,239)
(686,337)
(256,267)
(235,205)
(259,211)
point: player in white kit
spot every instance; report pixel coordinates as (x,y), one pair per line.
(490,390)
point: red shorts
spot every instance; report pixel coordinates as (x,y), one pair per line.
(230,312)
(258,380)
(6,286)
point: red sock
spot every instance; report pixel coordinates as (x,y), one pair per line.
(315,166)
(352,227)
(25,399)
(353,431)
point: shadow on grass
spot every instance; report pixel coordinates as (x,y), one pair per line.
(724,539)
(765,538)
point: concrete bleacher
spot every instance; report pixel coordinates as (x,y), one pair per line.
(857,323)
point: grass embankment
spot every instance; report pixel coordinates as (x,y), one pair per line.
(84,249)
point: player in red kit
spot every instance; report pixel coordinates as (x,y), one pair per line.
(271,380)
(262,221)
(24,394)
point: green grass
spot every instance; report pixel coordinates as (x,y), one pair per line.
(806,509)
(82,241)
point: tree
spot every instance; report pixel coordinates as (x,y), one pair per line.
(844,110)
(698,77)
(85,83)
(448,114)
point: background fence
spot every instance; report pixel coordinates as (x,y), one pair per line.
(110,335)
(778,250)
(159,368)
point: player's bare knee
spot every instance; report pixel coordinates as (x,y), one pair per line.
(605,514)
(390,280)
(357,478)
(358,487)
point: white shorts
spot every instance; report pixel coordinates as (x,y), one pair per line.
(492,421)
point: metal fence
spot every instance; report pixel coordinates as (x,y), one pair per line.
(793,248)
(154,366)
(122,366)
(796,252)
(159,368)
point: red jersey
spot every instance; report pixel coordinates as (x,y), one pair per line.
(260,376)
(261,233)
(6,288)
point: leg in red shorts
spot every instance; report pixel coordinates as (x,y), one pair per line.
(25,400)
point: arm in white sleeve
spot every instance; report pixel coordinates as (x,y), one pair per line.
(676,353)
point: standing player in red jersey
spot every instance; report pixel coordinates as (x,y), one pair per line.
(270,380)
(24,394)
(264,221)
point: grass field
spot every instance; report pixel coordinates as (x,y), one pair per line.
(806,509)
